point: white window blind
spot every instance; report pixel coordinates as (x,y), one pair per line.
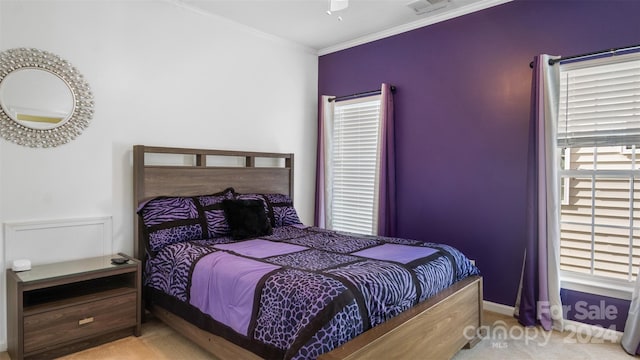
(598,128)
(600,102)
(354,163)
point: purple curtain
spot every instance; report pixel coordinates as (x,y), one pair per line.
(387,176)
(538,301)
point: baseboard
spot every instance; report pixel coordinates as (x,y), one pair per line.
(574,328)
(497,308)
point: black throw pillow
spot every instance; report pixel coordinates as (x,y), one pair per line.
(246,218)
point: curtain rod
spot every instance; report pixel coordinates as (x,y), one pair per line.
(601,52)
(359,95)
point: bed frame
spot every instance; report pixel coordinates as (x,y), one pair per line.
(436,328)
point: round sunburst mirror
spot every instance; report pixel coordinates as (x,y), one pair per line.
(44,100)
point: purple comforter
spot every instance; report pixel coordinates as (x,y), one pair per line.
(302,291)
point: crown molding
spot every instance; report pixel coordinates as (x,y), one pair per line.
(453,13)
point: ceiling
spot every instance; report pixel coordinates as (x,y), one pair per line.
(306,22)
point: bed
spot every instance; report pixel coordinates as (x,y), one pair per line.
(416,318)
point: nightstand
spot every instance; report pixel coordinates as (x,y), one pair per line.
(65,307)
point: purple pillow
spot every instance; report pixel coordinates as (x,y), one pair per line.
(217,224)
(170,220)
(283,211)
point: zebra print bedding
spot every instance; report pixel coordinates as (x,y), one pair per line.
(301,291)
(168,220)
(172,219)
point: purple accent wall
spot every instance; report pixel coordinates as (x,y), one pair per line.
(608,312)
(462,117)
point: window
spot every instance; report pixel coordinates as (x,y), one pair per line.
(598,130)
(354,155)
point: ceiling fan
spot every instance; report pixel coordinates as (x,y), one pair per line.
(337,5)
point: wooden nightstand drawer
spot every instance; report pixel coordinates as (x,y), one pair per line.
(79,321)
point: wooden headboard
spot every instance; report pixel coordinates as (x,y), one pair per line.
(203,171)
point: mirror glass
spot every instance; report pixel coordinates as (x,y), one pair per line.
(37,99)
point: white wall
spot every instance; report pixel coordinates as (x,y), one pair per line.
(161,75)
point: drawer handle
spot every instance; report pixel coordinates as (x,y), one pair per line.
(85,321)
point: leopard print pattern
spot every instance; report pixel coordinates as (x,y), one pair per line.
(284,233)
(344,326)
(290,300)
(312,260)
(334,242)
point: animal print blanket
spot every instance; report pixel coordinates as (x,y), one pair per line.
(301,291)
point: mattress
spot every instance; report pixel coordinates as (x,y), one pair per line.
(301,291)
